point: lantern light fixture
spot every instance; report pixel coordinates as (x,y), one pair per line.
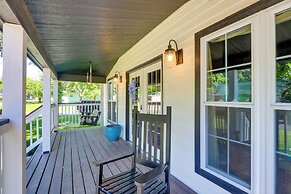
(173,57)
(117,77)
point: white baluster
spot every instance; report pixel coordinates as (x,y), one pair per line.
(37,128)
(30,129)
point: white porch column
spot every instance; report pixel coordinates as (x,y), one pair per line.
(14,80)
(46,111)
(56,102)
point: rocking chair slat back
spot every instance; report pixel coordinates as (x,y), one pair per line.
(151,137)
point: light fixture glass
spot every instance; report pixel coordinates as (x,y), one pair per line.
(116,76)
(173,57)
(170,57)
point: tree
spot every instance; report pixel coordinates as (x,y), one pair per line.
(34,89)
(283,77)
(61,87)
(87,91)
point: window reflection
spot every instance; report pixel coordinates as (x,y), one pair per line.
(154,92)
(112,102)
(283,81)
(217,121)
(217,153)
(239,84)
(240,127)
(216,53)
(229,74)
(283,154)
(240,161)
(283,35)
(229,142)
(216,82)
(283,95)
(239,46)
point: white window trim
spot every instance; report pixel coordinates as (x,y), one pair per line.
(204,103)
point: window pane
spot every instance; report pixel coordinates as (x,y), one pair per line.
(114,92)
(283,174)
(283,81)
(109,91)
(239,84)
(109,110)
(217,121)
(283,131)
(240,124)
(239,46)
(154,93)
(283,155)
(114,112)
(217,153)
(240,161)
(216,86)
(216,53)
(283,34)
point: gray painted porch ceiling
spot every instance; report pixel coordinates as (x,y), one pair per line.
(75,32)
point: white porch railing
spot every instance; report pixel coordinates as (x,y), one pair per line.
(3,129)
(34,127)
(70,113)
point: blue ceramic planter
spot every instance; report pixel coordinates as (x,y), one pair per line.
(113,132)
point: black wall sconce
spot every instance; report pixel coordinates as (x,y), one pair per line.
(117,77)
(173,57)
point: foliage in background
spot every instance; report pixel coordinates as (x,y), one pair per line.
(283,74)
(34,89)
(86,91)
(61,88)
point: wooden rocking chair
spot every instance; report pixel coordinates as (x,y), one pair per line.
(150,147)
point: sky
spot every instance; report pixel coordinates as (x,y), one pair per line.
(32,71)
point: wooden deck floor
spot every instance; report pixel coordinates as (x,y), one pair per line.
(69,169)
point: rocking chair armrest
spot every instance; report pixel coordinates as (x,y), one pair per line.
(146,178)
(111,159)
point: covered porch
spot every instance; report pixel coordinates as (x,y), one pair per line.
(69,168)
(222,68)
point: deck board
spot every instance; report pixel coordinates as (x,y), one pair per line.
(67,181)
(49,170)
(69,168)
(56,182)
(78,180)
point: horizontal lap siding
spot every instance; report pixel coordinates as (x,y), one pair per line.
(178,81)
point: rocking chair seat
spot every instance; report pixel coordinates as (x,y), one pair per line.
(125,183)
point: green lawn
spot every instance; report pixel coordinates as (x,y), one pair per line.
(74,127)
(282,143)
(30,107)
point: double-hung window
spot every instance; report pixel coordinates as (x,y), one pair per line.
(226,104)
(244,133)
(281,106)
(112,102)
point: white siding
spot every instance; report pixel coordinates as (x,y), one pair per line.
(178,81)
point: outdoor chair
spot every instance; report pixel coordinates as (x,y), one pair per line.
(90,119)
(151,146)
